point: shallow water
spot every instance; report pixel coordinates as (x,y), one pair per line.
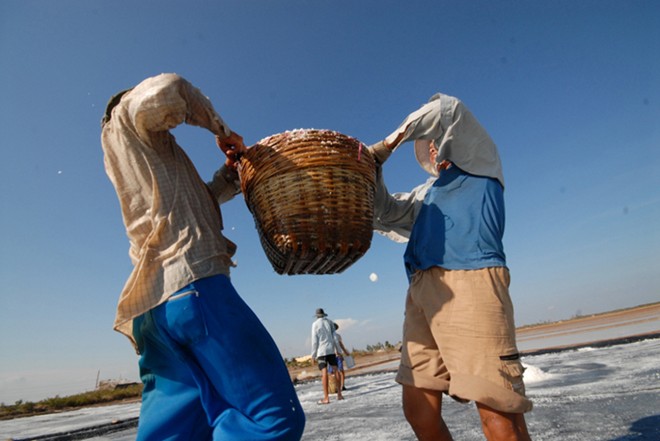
(643,320)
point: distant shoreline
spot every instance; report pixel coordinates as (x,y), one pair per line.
(585,318)
(593,344)
(383,361)
(369,363)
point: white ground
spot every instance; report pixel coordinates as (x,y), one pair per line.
(608,394)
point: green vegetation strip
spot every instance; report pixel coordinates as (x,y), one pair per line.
(57,404)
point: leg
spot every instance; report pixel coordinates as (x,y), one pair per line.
(423,411)
(338,383)
(324,381)
(171,406)
(501,426)
(333,367)
(422,371)
(342,376)
(243,383)
(477,337)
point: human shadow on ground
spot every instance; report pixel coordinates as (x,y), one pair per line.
(644,429)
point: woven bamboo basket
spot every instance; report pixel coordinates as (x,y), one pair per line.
(311,193)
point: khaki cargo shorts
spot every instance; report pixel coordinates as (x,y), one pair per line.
(459,338)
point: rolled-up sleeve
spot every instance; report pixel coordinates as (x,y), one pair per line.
(225,184)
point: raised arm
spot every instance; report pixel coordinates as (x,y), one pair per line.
(341,344)
(165,101)
(456,134)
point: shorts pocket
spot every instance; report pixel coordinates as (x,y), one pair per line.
(512,371)
(185,318)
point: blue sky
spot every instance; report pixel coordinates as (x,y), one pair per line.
(570,92)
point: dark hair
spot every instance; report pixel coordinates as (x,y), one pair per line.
(112,103)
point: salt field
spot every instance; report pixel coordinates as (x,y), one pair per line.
(599,392)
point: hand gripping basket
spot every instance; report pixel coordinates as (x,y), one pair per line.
(311,193)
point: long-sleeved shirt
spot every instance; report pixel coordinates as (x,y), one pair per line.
(395,214)
(323,338)
(172,221)
(455,221)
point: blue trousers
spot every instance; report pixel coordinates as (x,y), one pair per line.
(211,371)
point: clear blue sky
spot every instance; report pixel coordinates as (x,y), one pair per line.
(570,92)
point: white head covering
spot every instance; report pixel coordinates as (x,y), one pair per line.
(457,135)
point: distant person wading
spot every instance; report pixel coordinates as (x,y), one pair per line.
(325,350)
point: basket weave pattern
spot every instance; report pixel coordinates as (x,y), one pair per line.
(311,193)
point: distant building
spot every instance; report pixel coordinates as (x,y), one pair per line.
(114,384)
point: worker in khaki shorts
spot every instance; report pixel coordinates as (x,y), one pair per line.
(459,332)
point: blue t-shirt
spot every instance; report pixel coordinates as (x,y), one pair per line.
(460,225)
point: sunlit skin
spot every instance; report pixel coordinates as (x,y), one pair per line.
(232,146)
(433,153)
(325,382)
